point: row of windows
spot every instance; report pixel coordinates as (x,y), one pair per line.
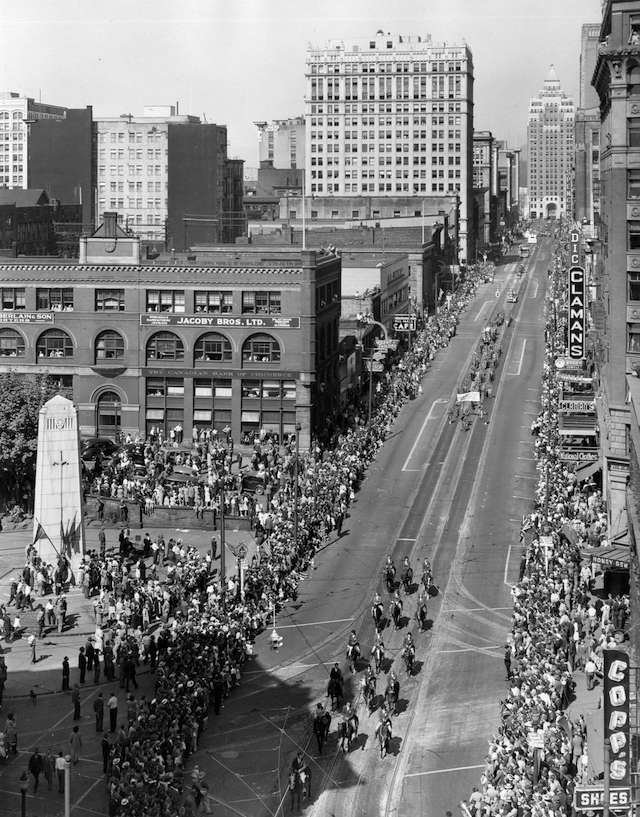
(420,187)
(157,300)
(386,107)
(163,346)
(384,67)
(220,388)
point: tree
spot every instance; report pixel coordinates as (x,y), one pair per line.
(21,398)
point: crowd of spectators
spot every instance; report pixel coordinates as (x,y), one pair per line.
(559,628)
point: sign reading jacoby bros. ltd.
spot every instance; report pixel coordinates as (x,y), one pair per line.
(577,313)
(616,715)
(219,322)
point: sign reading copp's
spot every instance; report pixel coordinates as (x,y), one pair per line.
(577,313)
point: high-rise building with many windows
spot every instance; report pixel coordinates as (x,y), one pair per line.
(17,113)
(391,116)
(281,142)
(551,143)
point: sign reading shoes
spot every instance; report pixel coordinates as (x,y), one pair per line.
(577,313)
(591,798)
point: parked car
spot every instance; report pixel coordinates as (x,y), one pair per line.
(512,297)
(93,446)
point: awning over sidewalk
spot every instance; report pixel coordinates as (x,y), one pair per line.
(614,557)
(588,470)
(578,425)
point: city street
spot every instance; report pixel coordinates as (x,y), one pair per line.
(457,497)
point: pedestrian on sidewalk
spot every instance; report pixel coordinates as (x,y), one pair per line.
(11,734)
(65,674)
(48,768)
(76,744)
(590,672)
(36,766)
(60,767)
(32,646)
(106,753)
(98,708)
(507,661)
(89,651)
(82,665)
(112,703)
(75,698)
(96,666)
(576,748)
(3,677)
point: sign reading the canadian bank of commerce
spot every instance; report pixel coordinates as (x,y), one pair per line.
(219,321)
(26,317)
(577,313)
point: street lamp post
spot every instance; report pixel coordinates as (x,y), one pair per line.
(223,544)
(67,785)
(295,485)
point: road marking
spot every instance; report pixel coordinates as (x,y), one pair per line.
(517,373)
(48,800)
(528,459)
(480,315)
(88,791)
(506,567)
(535,294)
(527,476)
(314,624)
(523,498)
(471,609)
(406,539)
(422,428)
(444,771)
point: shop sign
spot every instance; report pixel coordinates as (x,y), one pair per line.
(579,456)
(584,406)
(577,313)
(249,374)
(26,317)
(575,249)
(616,715)
(404,323)
(591,798)
(218,321)
(573,377)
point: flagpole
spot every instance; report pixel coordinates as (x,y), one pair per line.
(304,210)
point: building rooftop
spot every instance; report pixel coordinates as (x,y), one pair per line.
(23,198)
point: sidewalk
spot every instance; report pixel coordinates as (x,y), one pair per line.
(46,719)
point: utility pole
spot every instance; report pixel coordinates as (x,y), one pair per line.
(223,544)
(295,486)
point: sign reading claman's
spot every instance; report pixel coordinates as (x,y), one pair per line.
(219,321)
(577,302)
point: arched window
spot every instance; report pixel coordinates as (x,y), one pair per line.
(11,343)
(212,347)
(633,79)
(109,346)
(261,349)
(107,413)
(54,343)
(165,346)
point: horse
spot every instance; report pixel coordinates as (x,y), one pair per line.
(369,692)
(396,612)
(407,579)
(377,652)
(321,724)
(390,577)
(353,654)
(409,654)
(384,737)
(348,731)
(377,613)
(391,694)
(299,786)
(335,692)
(421,614)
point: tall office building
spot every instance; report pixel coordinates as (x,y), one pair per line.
(17,114)
(391,116)
(587,161)
(164,174)
(551,143)
(281,143)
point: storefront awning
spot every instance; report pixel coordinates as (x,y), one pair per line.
(578,425)
(588,470)
(614,557)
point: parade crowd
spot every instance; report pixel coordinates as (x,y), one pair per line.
(559,628)
(165,607)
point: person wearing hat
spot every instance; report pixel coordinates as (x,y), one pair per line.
(65,674)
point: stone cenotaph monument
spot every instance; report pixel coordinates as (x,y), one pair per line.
(58,527)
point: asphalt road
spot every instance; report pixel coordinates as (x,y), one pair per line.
(435,490)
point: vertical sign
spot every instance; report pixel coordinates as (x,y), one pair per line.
(616,715)
(577,313)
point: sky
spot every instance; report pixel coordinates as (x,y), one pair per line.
(236,62)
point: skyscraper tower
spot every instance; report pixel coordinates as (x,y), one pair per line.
(551,141)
